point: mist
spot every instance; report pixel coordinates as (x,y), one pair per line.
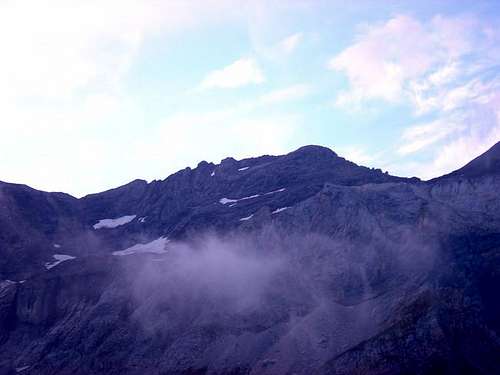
(227,272)
(269,278)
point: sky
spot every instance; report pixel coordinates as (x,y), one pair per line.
(96,93)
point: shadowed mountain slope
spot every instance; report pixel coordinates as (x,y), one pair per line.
(303,263)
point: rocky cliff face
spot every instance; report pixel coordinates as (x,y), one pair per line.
(303,263)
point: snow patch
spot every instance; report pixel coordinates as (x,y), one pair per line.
(113,223)
(243,169)
(142,219)
(276,191)
(59,258)
(246,218)
(250,197)
(21,369)
(227,200)
(212,174)
(234,201)
(277,211)
(154,247)
(56,245)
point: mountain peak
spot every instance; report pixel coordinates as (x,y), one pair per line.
(314,150)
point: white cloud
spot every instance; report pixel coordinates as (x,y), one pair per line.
(459,152)
(452,142)
(186,138)
(451,155)
(242,72)
(445,74)
(420,136)
(52,48)
(382,59)
(405,59)
(442,68)
(481,130)
(64,63)
(68,122)
(268,20)
(357,154)
(291,42)
(286,94)
(451,97)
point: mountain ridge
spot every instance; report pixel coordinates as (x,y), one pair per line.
(491,156)
(310,151)
(302,263)
(185,200)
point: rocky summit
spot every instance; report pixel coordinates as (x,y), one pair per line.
(303,263)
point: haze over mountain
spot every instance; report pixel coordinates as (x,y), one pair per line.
(302,263)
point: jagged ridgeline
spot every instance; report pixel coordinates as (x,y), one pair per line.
(304,263)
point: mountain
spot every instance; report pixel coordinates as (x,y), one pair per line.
(303,263)
(33,222)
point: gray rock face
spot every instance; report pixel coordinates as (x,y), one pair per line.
(33,222)
(303,263)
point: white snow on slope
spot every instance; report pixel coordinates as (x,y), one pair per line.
(280,210)
(142,219)
(227,200)
(246,218)
(243,169)
(212,174)
(59,258)
(275,191)
(157,246)
(250,197)
(113,223)
(234,201)
(21,369)
(56,245)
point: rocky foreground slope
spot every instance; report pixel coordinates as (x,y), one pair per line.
(304,263)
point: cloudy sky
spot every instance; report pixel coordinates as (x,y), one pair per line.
(96,93)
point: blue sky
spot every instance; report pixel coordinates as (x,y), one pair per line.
(97,93)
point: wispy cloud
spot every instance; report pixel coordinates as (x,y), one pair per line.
(63,68)
(242,72)
(53,49)
(460,151)
(291,42)
(452,154)
(418,137)
(214,135)
(404,58)
(442,69)
(358,154)
(286,94)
